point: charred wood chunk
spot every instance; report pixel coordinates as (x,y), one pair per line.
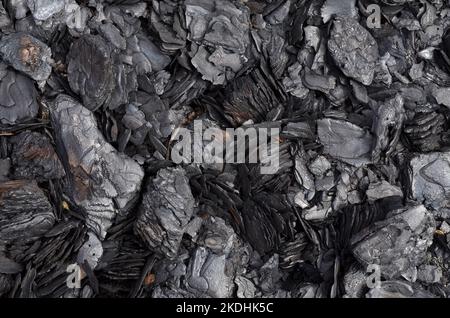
(146,55)
(252,97)
(90,70)
(260,230)
(6,283)
(207,274)
(398,244)
(45,9)
(430,175)
(222,26)
(17,97)
(425,130)
(33,156)
(353,49)
(399,289)
(102,180)
(387,127)
(214,263)
(4,17)
(27,54)
(166,209)
(345,141)
(166,19)
(25,211)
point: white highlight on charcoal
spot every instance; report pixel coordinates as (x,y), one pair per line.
(374,279)
(229,146)
(74,278)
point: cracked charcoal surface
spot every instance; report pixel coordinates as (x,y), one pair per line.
(25,212)
(26,54)
(354,49)
(102,181)
(34,157)
(94,96)
(18,97)
(399,244)
(166,209)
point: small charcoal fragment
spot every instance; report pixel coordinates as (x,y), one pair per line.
(25,211)
(17,97)
(166,210)
(27,54)
(430,175)
(398,244)
(90,70)
(353,49)
(398,289)
(34,157)
(345,141)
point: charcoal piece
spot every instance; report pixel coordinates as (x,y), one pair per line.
(6,283)
(442,96)
(8,266)
(429,274)
(133,118)
(4,17)
(215,263)
(183,88)
(27,54)
(34,157)
(303,175)
(291,253)
(112,34)
(319,166)
(102,181)
(398,244)
(25,211)
(146,57)
(207,275)
(17,97)
(217,236)
(430,175)
(355,282)
(125,82)
(260,231)
(424,130)
(166,209)
(345,141)
(269,275)
(252,97)
(245,288)
(272,46)
(168,21)
(398,289)
(5,166)
(293,83)
(44,9)
(277,12)
(387,127)
(346,8)
(353,49)
(209,71)
(223,25)
(18,8)
(90,70)
(382,189)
